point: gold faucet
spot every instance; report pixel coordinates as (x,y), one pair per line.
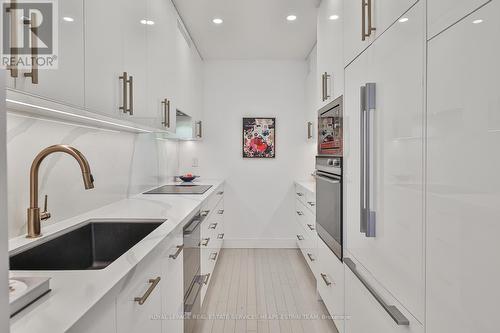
(34,214)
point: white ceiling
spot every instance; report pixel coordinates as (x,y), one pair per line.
(252,29)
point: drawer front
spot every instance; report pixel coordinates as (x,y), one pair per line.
(213,224)
(212,201)
(311,202)
(365,313)
(305,217)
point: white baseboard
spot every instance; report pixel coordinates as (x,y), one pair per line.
(258,243)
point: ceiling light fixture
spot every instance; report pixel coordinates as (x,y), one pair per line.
(403,19)
(291,18)
(147,22)
(477,21)
(217,20)
(333,17)
(68,19)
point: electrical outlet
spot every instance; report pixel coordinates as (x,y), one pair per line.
(195,162)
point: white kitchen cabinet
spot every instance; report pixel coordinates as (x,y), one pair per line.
(116,42)
(173,284)
(364,313)
(330,282)
(444,13)
(383,14)
(463,187)
(395,63)
(161,65)
(330,65)
(66,83)
(100,319)
(144,282)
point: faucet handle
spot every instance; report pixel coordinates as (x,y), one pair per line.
(45,215)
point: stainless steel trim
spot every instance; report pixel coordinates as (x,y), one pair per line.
(131,95)
(325,279)
(33,74)
(300,237)
(327,76)
(363,20)
(327,179)
(392,310)
(198,129)
(154,282)
(370,27)
(311,258)
(309,130)
(176,254)
(166,113)
(362,182)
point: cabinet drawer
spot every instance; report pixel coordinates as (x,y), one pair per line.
(305,217)
(311,202)
(364,310)
(213,224)
(211,203)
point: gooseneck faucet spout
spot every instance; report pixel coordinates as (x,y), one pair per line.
(34,214)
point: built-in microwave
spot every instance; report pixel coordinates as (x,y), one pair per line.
(330,129)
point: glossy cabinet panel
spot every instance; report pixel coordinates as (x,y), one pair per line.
(353,44)
(66,83)
(394,62)
(329,51)
(463,185)
(444,13)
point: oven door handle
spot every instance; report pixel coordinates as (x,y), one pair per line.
(326,178)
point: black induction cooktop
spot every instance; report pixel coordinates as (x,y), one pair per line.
(180,189)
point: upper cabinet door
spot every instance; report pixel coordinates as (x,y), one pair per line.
(463,184)
(388,12)
(443,13)
(329,50)
(161,64)
(104,56)
(354,16)
(65,84)
(394,254)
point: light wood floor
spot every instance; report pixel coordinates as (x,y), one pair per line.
(264,291)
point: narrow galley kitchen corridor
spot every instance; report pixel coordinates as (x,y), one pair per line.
(263,290)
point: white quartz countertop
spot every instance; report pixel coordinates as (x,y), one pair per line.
(309,185)
(75,292)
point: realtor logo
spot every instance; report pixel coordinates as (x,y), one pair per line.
(29,34)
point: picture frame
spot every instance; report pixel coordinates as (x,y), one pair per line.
(259,137)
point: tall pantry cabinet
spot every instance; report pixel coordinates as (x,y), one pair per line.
(463,193)
(390,258)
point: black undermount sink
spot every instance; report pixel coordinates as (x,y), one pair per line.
(92,246)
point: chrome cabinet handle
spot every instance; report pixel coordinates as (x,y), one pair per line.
(366,8)
(367,213)
(205,213)
(220,212)
(392,310)
(323,87)
(124,79)
(199,129)
(212,226)
(166,113)
(299,213)
(311,203)
(311,227)
(300,237)
(309,130)
(311,258)
(326,279)
(131,95)
(220,236)
(213,256)
(143,299)
(207,277)
(176,254)
(33,74)
(326,76)
(14,71)
(220,193)
(300,194)
(205,241)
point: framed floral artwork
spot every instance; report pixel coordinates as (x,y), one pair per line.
(259,137)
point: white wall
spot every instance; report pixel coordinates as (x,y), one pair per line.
(4,265)
(122,163)
(259,196)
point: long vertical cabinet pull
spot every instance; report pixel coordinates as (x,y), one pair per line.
(131,95)
(368,220)
(366,10)
(324,91)
(166,113)
(14,71)
(127,93)
(32,22)
(323,87)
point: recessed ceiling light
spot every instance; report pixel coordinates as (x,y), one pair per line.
(477,21)
(68,19)
(144,22)
(333,17)
(403,19)
(291,18)
(217,20)
(147,22)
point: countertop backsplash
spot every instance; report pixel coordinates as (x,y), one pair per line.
(123,164)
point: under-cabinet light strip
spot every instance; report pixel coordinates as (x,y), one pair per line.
(77,116)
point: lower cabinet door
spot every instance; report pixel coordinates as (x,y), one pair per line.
(365,314)
(139,303)
(173,286)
